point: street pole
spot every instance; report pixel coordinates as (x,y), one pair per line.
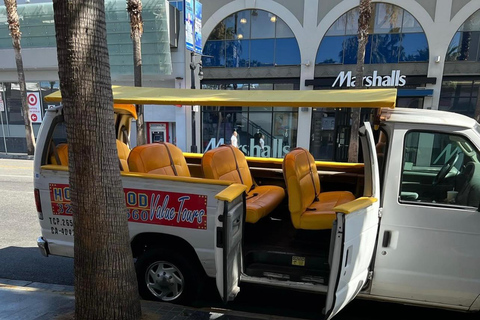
(192,78)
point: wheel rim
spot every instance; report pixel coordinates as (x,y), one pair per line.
(164,280)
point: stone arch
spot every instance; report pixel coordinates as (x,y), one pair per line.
(413,7)
(266,5)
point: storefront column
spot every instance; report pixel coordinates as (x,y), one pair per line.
(438,50)
(308,51)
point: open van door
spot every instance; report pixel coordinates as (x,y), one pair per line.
(354,235)
(228,253)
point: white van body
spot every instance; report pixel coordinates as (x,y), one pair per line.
(405,239)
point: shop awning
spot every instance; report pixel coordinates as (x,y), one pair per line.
(356,98)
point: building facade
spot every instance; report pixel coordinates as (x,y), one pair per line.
(428,49)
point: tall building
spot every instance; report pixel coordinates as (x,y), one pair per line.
(428,49)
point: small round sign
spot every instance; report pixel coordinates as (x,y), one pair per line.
(32,99)
(33,117)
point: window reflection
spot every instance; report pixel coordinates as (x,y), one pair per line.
(394,36)
(251,38)
(465,44)
(276,126)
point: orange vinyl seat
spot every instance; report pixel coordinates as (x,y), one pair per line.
(309,208)
(158,158)
(229,163)
(61,157)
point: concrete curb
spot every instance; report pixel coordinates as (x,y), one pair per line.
(23,156)
(63,306)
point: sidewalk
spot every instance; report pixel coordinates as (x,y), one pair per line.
(40,301)
(9,155)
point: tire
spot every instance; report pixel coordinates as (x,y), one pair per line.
(166,276)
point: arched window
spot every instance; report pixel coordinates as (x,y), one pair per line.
(251,38)
(465,45)
(394,36)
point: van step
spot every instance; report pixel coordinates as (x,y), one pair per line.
(296,274)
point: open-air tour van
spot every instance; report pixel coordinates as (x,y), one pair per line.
(403,226)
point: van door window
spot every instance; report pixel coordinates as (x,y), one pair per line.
(440,168)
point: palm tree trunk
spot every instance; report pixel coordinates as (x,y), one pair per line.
(363,22)
(14,26)
(105,281)
(134,8)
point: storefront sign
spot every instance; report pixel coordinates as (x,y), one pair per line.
(395,79)
(277,150)
(34,109)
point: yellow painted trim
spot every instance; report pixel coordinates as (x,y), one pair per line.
(231,193)
(152,176)
(361,98)
(355,205)
(54,167)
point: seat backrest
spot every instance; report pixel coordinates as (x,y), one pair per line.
(158,158)
(227,163)
(123,153)
(62,154)
(301,179)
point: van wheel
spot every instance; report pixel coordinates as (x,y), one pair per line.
(166,276)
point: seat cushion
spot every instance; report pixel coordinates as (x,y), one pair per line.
(123,153)
(155,158)
(229,163)
(323,215)
(262,200)
(221,163)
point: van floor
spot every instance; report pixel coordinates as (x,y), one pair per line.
(274,246)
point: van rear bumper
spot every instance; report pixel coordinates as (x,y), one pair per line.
(43,246)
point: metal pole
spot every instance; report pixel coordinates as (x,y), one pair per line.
(192,78)
(3,130)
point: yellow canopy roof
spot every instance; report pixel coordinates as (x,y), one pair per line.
(354,98)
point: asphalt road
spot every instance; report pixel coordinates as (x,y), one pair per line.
(19,229)
(20,259)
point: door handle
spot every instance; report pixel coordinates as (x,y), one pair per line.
(387,237)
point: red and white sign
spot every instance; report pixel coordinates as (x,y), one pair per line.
(34,108)
(174,209)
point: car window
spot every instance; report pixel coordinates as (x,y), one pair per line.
(440,168)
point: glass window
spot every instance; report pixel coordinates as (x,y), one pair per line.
(214,52)
(351,20)
(254,38)
(390,26)
(261,52)
(440,168)
(410,24)
(459,96)
(388,18)
(237,53)
(238,26)
(282,30)
(330,51)
(385,48)
(287,51)
(414,47)
(263,24)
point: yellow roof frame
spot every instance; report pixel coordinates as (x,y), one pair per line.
(353,98)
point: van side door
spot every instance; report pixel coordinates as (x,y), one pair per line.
(430,231)
(355,234)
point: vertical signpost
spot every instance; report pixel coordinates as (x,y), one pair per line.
(34,109)
(2,109)
(193,43)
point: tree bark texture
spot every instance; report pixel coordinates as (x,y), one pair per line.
(14,27)
(105,281)
(134,8)
(363,22)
